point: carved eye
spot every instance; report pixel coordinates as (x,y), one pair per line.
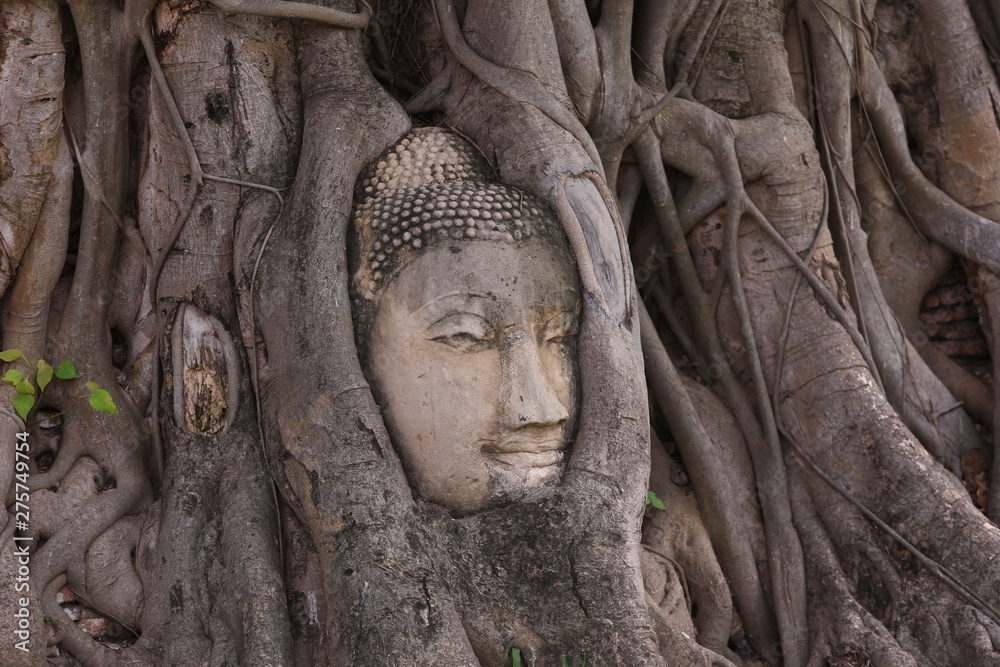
(464,331)
(561,329)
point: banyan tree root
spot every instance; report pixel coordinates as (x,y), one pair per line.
(680,569)
(786,189)
(845,624)
(550,96)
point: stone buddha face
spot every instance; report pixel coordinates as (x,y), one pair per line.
(469,342)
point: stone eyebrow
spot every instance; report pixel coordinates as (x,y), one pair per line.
(436,301)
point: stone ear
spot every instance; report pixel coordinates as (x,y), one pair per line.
(598,243)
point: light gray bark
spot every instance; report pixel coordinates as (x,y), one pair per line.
(757,156)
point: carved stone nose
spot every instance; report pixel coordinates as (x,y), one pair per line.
(526,394)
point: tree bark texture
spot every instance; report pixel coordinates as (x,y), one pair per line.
(757,196)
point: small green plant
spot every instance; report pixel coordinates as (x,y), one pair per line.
(41,373)
(47,620)
(652,502)
(565,662)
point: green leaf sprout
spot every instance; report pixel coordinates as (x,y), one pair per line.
(652,502)
(40,373)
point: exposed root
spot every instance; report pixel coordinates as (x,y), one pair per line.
(578,54)
(132,313)
(732,451)
(841,622)
(937,215)
(69,453)
(71,637)
(838,28)
(33,158)
(679,645)
(935,568)
(68,547)
(712,473)
(679,539)
(988,291)
(51,509)
(112,584)
(513,84)
(931,625)
(298,10)
(781,540)
(977,397)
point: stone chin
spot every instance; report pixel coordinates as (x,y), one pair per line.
(510,483)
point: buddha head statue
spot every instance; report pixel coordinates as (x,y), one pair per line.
(466,302)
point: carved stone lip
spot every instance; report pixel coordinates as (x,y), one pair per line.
(527,451)
(528,459)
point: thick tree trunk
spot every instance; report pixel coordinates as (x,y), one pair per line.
(177,181)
